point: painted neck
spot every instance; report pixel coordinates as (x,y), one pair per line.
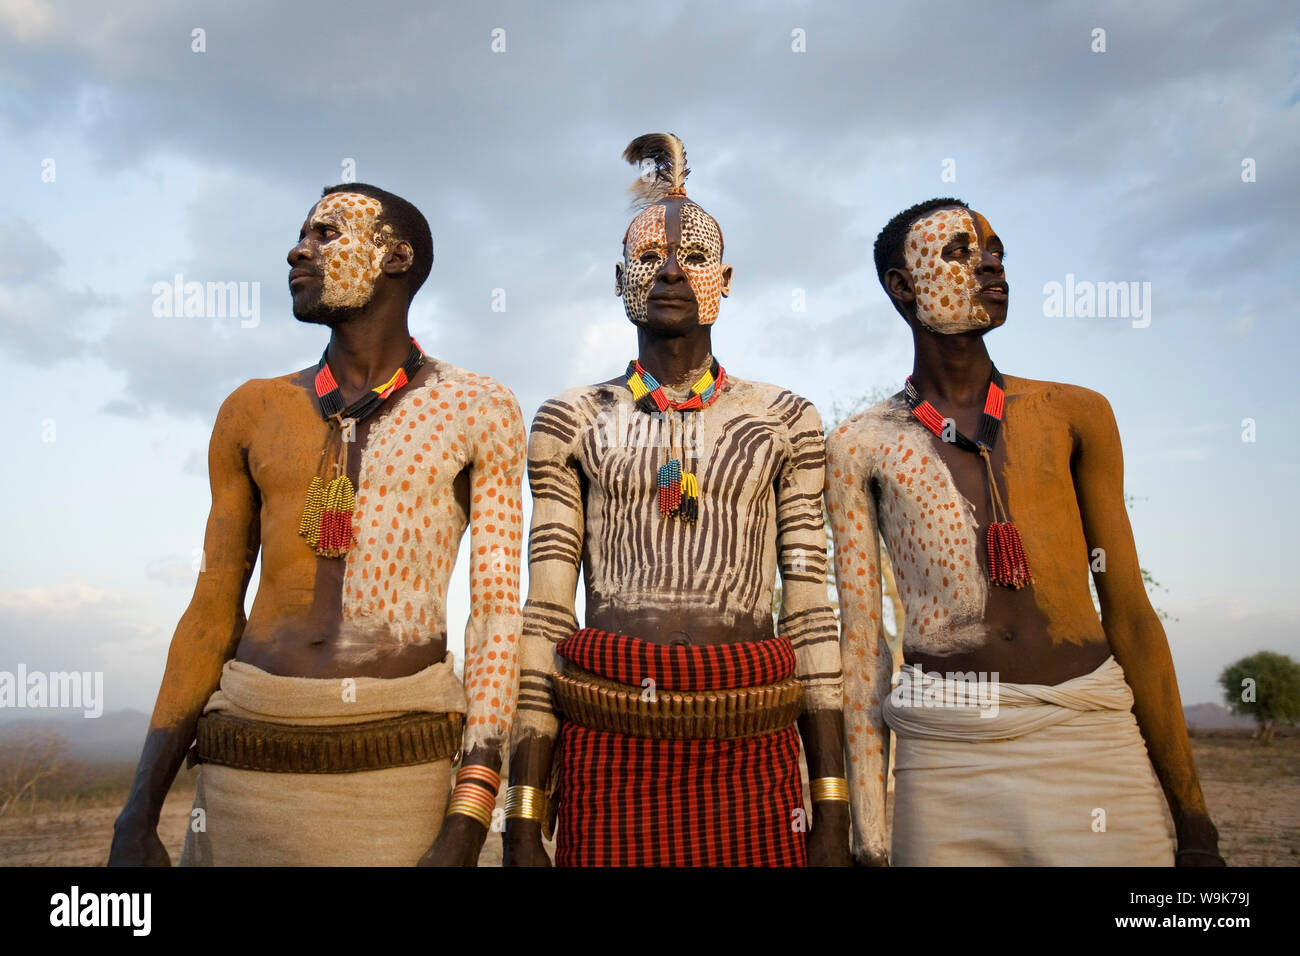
(952,369)
(365,352)
(677,362)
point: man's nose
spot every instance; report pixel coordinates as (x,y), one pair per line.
(989,262)
(672,270)
(299,253)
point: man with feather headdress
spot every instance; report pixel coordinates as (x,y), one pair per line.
(669,727)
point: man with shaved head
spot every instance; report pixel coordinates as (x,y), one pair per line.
(679,491)
(325,723)
(996,496)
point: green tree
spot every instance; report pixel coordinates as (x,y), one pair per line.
(1264,687)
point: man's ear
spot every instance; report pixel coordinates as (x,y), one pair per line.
(899,285)
(726,281)
(399,257)
(618,279)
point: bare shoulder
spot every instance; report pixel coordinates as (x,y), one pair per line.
(790,407)
(251,402)
(585,401)
(471,387)
(563,419)
(860,435)
(1081,407)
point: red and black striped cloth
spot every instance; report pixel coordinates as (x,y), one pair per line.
(634,801)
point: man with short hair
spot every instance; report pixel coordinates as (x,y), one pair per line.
(1014,710)
(678,490)
(326,723)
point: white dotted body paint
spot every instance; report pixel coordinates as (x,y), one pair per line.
(929,528)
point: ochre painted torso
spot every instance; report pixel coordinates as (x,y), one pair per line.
(932,503)
(379,610)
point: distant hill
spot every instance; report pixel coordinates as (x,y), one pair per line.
(113,737)
(1215,717)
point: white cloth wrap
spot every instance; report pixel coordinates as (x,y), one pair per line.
(386,817)
(1023,787)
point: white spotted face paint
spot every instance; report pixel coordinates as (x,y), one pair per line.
(350,261)
(699,253)
(945,289)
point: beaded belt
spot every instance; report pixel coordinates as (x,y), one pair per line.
(338,748)
(600,704)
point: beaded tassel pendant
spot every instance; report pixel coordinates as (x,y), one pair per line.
(1007,564)
(326,520)
(670,487)
(327,516)
(689,509)
(1006,553)
(679,491)
(336,518)
(309,526)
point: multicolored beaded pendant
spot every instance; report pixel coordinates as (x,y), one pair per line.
(326,520)
(679,490)
(1006,553)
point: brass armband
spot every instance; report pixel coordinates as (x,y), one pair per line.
(826,789)
(472,801)
(525,803)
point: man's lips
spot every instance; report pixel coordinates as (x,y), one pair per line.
(296,275)
(994,290)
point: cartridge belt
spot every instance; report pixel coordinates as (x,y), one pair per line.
(600,704)
(403,741)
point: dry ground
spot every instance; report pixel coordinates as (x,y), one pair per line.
(1253,794)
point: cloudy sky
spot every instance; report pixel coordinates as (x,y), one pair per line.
(135,150)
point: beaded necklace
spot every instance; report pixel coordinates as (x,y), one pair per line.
(1006,553)
(327,513)
(679,490)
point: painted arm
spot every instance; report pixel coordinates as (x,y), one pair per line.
(492,632)
(1136,637)
(554,560)
(206,637)
(867,660)
(808,619)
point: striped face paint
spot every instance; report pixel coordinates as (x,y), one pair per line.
(351,261)
(945,289)
(698,245)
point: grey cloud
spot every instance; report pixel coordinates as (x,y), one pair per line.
(514,156)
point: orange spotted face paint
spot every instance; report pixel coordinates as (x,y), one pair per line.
(943,251)
(698,246)
(351,258)
(645,251)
